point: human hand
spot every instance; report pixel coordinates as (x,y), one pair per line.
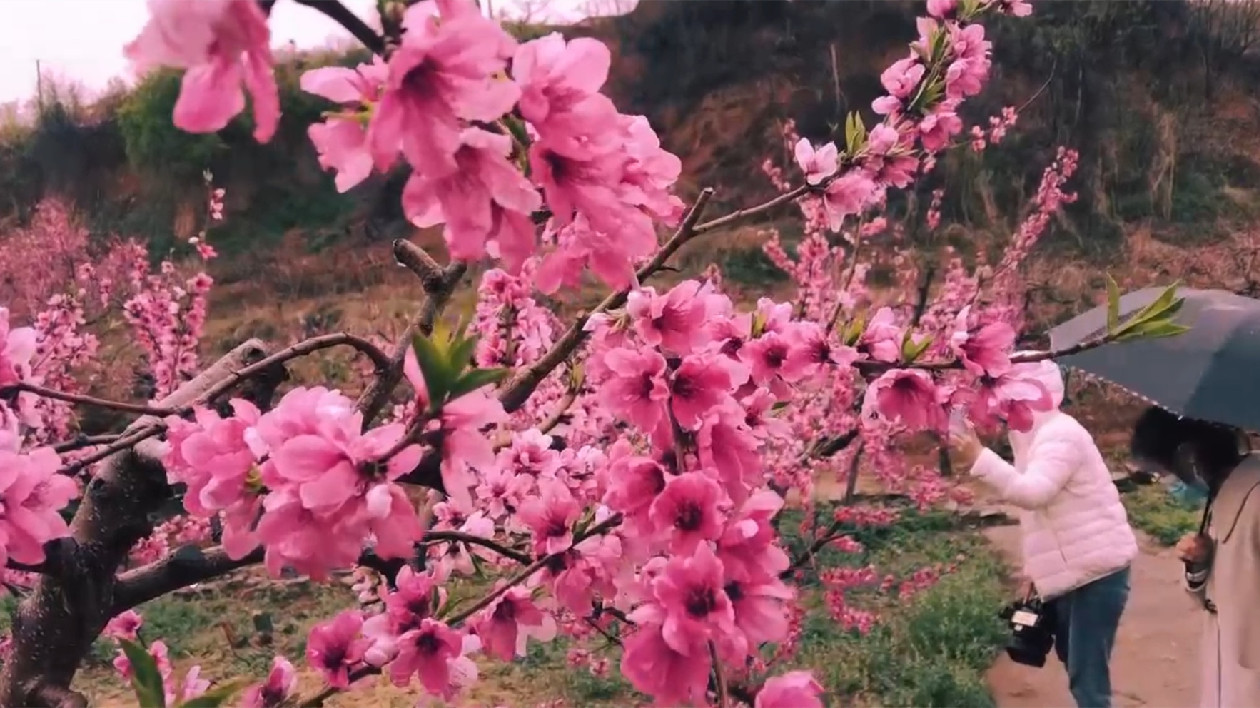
(1194,548)
(965,446)
(1027,590)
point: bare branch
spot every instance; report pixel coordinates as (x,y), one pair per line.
(609,523)
(433,537)
(120,443)
(83,441)
(79,399)
(560,413)
(438,283)
(343,16)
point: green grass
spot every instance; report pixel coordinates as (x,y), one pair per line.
(930,651)
(1156,512)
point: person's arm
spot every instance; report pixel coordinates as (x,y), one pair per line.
(1245,587)
(1050,465)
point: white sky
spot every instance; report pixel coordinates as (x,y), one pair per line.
(82,40)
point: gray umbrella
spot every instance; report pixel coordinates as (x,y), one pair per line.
(1211,372)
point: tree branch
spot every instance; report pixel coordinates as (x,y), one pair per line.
(309,346)
(343,16)
(438,284)
(80,399)
(522,386)
(609,523)
(517,391)
(433,537)
(83,441)
(177,570)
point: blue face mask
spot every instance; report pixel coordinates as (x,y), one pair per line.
(1192,494)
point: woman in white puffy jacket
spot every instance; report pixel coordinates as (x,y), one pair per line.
(1077,543)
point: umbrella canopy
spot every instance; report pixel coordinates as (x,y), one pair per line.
(1211,372)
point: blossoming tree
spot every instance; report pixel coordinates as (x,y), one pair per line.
(616,476)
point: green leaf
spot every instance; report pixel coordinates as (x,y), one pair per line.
(577,376)
(517,128)
(853,331)
(854,133)
(1154,329)
(213,698)
(461,353)
(912,350)
(1113,304)
(475,379)
(435,368)
(758,325)
(1163,308)
(145,678)
(1166,299)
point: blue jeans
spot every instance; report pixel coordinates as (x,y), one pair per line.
(1086,620)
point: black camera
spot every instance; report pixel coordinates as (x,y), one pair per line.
(1032,631)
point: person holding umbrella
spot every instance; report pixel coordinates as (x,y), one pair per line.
(1222,559)
(1077,543)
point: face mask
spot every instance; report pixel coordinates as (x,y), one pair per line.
(1192,494)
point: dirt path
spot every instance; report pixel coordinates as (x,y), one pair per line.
(1156,656)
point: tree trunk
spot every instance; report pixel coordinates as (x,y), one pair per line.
(56,624)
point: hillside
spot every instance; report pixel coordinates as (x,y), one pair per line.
(1157,96)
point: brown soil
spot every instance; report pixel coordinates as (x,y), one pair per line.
(1155,662)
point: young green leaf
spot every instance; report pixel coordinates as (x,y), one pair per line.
(475,379)
(1113,304)
(435,368)
(853,331)
(1154,329)
(461,353)
(145,677)
(854,133)
(577,376)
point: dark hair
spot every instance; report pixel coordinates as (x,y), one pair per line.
(1158,435)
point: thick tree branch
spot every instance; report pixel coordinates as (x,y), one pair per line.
(177,570)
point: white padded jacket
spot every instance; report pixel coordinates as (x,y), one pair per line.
(1075,530)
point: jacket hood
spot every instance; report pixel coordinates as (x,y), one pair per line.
(1049,375)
